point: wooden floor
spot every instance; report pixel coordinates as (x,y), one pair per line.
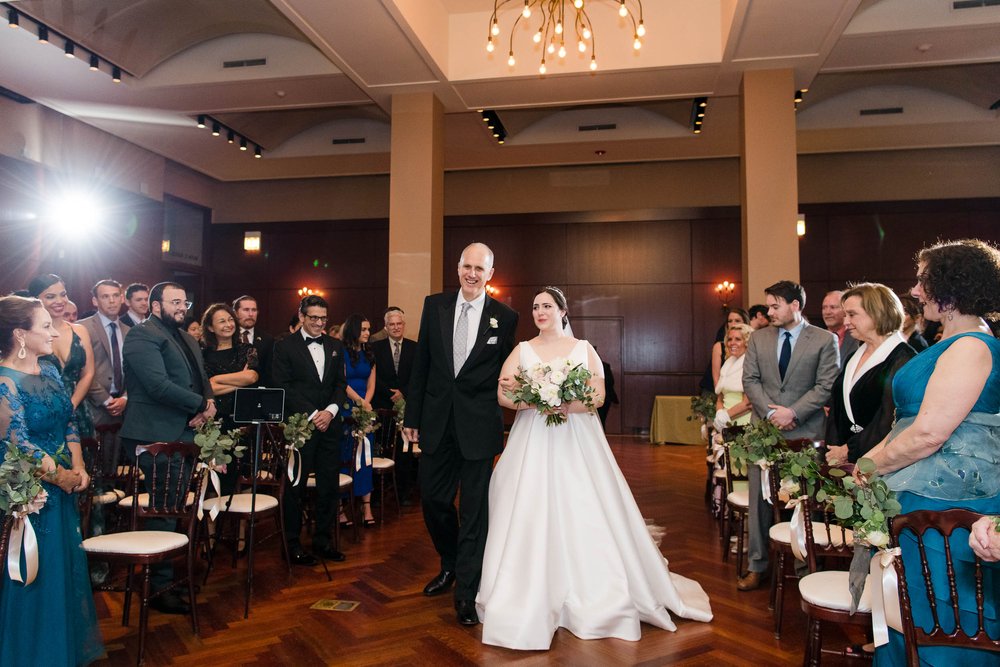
(395,624)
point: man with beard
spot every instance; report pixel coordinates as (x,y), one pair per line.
(245,308)
(169,396)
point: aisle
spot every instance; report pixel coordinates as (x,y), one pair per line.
(396,625)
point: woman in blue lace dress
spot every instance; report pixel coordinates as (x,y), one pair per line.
(52,620)
(71,352)
(944,450)
(359,364)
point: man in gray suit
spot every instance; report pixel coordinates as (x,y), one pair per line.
(107,335)
(788,372)
(169,396)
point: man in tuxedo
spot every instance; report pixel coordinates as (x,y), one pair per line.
(452,409)
(309,366)
(394,357)
(107,336)
(833,318)
(137,300)
(245,308)
(788,372)
(169,396)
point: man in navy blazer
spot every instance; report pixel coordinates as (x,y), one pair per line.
(452,409)
(309,366)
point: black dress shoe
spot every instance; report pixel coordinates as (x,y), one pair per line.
(466,612)
(329,553)
(439,584)
(299,556)
(170,603)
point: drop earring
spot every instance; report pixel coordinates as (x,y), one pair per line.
(22,353)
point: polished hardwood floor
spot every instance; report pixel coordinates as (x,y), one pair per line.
(395,624)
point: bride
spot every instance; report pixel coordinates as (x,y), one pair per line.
(567,546)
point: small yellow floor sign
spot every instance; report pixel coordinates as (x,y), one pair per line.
(336,605)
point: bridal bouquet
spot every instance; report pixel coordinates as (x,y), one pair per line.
(550,384)
(20,483)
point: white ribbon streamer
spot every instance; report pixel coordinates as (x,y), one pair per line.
(797,528)
(213,477)
(765,481)
(22,532)
(406,441)
(885,595)
(294,456)
(364,451)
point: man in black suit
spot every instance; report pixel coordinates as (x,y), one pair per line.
(452,409)
(309,366)
(394,357)
(169,396)
(137,300)
(245,308)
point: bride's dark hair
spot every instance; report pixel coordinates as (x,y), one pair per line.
(560,299)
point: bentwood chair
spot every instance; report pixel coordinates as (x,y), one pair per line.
(945,523)
(174,480)
(384,459)
(737,502)
(826,595)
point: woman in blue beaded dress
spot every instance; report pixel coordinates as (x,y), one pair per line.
(71,353)
(944,450)
(359,363)
(52,620)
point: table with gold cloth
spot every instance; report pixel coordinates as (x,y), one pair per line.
(669,422)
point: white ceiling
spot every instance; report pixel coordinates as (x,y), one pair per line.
(333,67)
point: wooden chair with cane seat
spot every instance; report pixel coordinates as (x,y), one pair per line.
(737,502)
(174,477)
(826,595)
(944,522)
(384,458)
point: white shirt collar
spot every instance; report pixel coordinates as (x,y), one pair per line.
(476,304)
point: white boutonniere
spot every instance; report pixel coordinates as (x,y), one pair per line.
(494,324)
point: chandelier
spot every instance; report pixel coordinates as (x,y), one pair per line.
(556,23)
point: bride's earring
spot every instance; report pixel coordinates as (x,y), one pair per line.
(22,353)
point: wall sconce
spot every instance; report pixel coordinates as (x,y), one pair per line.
(492,291)
(307,291)
(800,225)
(165,246)
(251,241)
(724,291)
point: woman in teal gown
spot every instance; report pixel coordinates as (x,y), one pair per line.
(51,621)
(944,450)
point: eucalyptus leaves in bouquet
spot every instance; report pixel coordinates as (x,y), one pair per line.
(702,408)
(297,430)
(218,448)
(21,488)
(760,443)
(399,408)
(365,420)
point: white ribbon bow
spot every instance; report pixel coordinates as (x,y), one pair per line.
(797,528)
(294,456)
(885,595)
(765,481)
(22,532)
(213,477)
(364,452)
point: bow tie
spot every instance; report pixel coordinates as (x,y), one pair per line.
(318,340)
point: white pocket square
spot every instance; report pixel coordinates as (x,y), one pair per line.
(492,340)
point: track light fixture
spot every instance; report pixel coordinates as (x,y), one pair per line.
(699,107)
(201,122)
(494,126)
(45,35)
(215,129)
(256,151)
(231,137)
(243,143)
(218,128)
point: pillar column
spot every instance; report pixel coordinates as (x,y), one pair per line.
(768,181)
(416,203)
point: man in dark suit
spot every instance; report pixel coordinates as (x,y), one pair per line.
(788,372)
(452,409)
(137,300)
(833,318)
(107,336)
(394,357)
(169,396)
(245,308)
(309,366)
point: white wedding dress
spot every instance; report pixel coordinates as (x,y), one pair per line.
(567,546)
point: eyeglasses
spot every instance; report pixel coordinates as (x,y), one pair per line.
(317,318)
(176,303)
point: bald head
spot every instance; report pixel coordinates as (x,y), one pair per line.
(833,311)
(475,268)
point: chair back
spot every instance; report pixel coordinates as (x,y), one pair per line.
(774,478)
(945,523)
(728,435)
(173,480)
(384,438)
(110,462)
(820,521)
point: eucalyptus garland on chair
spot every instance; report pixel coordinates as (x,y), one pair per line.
(760,443)
(365,422)
(297,430)
(21,494)
(217,451)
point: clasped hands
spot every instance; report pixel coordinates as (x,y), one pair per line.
(207,415)
(68,480)
(782,417)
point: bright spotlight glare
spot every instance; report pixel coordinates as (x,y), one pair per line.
(74,213)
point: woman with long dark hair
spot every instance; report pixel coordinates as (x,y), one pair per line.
(360,367)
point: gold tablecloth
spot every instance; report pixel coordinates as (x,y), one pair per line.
(669,421)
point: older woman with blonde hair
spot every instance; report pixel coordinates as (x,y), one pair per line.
(862,409)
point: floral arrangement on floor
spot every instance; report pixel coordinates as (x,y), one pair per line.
(546,386)
(21,494)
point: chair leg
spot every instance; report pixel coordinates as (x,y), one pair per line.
(395,494)
(284,542)
(191,589)
(355,517)
(143,613)
(814,645)
(127,605)
(741,529)
(779,593)
(727,531)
